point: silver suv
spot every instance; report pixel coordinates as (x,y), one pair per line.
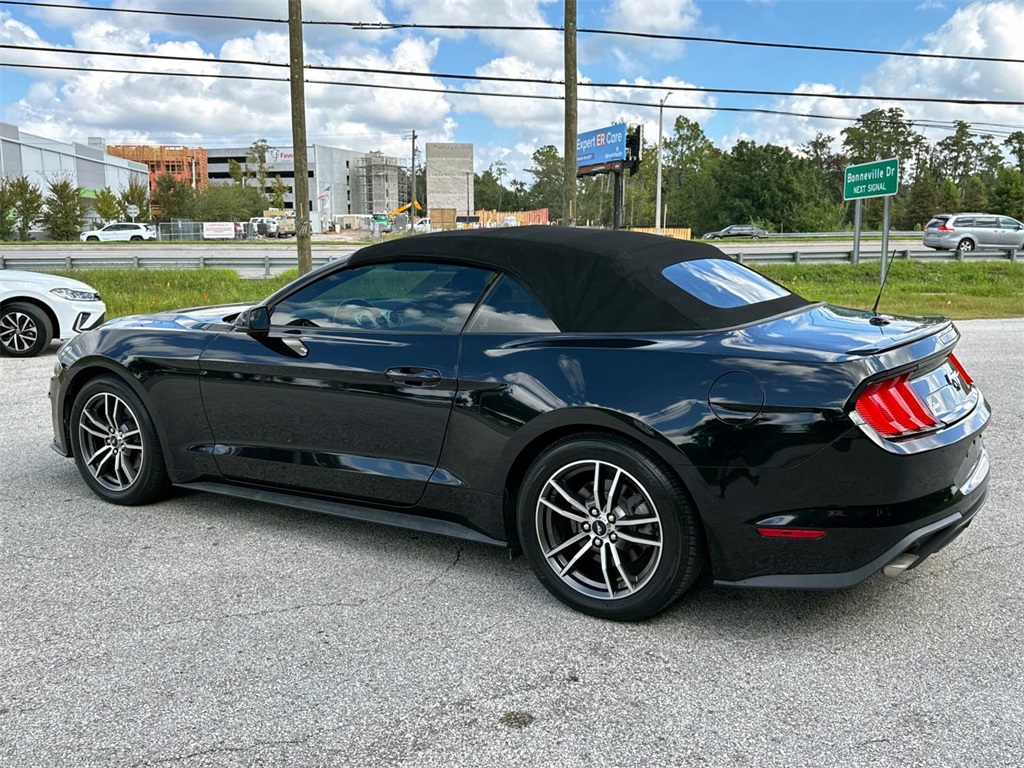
(968,231)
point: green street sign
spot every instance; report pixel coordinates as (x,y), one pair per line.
(877,179)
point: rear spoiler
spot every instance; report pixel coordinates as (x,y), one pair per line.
(945,332)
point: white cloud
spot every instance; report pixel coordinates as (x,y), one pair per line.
(668,17)
(929,5)
(139,108)
(989,29)
(539,48)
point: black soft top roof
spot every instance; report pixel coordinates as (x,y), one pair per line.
(589,280)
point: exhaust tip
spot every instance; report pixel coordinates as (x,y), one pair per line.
(899,565)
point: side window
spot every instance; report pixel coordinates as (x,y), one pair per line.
(1007,223)
(987,222)
(966,221)
(510,308)
(411,296)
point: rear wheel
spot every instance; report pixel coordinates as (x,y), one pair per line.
(25,330)
(607,530)
(115,444)
(136,238)
(965,245)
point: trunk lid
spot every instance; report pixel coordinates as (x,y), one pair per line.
(840,331)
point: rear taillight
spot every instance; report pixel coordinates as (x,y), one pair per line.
(960,369)
(944,228)
(893,409)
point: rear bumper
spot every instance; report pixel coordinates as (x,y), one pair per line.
(921,542)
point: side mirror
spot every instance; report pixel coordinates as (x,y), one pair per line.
(257,321)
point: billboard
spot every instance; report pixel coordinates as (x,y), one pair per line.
(606,145)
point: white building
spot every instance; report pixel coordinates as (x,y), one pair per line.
(337,180)
(85,165)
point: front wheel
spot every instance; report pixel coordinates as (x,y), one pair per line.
(115,444)
(92,239)
(607,530)
(25,330)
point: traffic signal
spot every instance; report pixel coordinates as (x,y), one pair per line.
(634,147)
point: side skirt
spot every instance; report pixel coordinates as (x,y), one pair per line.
(351,511)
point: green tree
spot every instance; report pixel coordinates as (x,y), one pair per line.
(949,197)
(883,133)
(65,210)
(257,155)
(28,204)
(7,214)
(1014,143)
(280,189)
(135,193)
(690,174)
(546,190)
(173,198)
(238,173)
(228,202)
(488,190)
(956,155)
(107,206)
(975,197)
(1007,196)
(923,201)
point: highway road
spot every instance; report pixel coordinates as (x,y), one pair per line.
(207,631)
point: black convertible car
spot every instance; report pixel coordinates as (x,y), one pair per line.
(627,409)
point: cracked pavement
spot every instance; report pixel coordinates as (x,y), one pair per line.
(208,631)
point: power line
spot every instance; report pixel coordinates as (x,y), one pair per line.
(450,92)
(391,26)
(533,81)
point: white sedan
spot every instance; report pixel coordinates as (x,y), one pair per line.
(120,231)
(36,308)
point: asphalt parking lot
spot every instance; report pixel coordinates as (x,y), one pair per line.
(212,631)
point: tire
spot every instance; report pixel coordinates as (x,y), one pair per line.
(92,239)
(560,545)
(25,330)
(136,239)
(965,246)
(131,471)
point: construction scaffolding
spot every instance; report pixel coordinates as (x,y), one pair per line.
(379,184)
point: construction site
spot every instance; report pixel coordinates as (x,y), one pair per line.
(379,184)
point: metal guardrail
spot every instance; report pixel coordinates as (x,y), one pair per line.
(824,235)
(847,255)
(270,262)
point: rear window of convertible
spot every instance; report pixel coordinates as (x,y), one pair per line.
(723,283)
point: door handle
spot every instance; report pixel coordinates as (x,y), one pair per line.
(417,377)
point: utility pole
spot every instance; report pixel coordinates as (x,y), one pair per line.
(412,182)
(469,175)
(298,91)
(569,195)
(657,204)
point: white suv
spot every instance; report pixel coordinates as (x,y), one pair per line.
(36,308)
(120,230)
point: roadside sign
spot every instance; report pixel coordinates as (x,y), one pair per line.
(876,179)
(132,210)
(606,145)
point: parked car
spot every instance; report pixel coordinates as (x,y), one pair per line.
(36,308)
(423,225)
(969,231)
(737,230)
(120,231)
(625,408)
(267,226)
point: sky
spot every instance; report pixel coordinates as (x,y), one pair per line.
(134,108)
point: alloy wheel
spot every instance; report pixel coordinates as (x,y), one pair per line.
(18,331)
(111,441)
(599,530)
